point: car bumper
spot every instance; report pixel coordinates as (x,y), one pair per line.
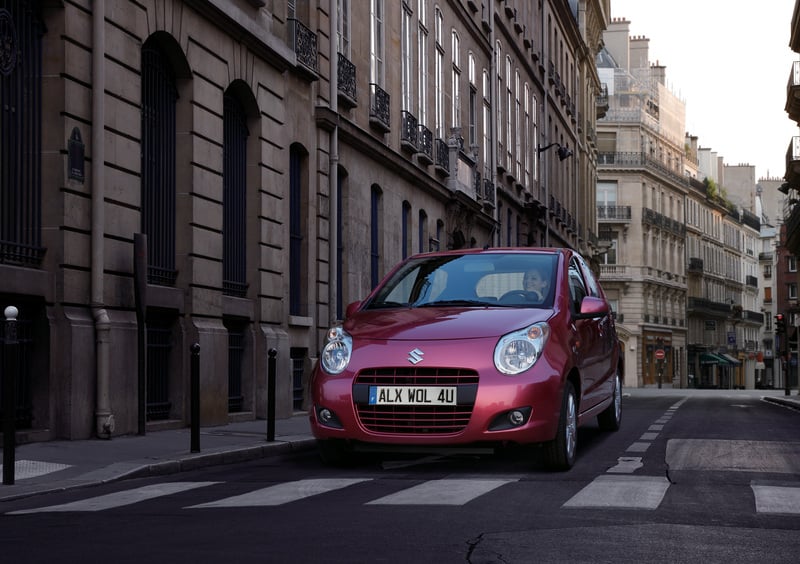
(488,419)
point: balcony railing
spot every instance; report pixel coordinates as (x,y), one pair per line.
(409,131)
(442,156)
(793,93)
(618,213)
(793,162)
(695,265)
(347,82)
(639,159)
(425,145)
(304,42)
(379,108)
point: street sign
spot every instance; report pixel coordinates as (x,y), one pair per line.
(659,354)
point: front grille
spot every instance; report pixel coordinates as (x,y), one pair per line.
(416,419)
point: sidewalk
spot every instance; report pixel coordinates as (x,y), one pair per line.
(62,465)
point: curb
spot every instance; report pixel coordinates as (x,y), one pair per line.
(790,403)
(166,467)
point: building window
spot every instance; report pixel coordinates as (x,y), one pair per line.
(509,112)
(439,76)
(422,40)
(518,129)
(487,125)
(423,230)
(234,197)
(343,27)
(159,97)
(298,282)
(406,229)
(455,118)
(792,291)
(376,72)
(473,103)
(21,134)
(406,46)
(374,227)
(792,263)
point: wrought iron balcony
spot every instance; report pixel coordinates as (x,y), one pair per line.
(304,43)
(379,108)
(793,93)
(602,101)
(792,175)
(695,265)
(442,156)
(409,131)
(347,82)
(614,213)
(425,145)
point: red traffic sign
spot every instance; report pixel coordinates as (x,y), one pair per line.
(659,354)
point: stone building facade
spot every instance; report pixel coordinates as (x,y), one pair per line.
(232,173)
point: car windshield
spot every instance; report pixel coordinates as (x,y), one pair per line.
(471,280)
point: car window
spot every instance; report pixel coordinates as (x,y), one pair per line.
(577,288)
(592,287)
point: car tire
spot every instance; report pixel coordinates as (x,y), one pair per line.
(611,417)
(559,454)
(334,452)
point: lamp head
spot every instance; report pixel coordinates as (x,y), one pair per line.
(564,152)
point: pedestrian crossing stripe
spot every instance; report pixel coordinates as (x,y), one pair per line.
(604,492)
(621,492)
(281,494)
(119,499)
(442,492)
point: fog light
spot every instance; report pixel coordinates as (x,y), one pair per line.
(516,417)
(325,415)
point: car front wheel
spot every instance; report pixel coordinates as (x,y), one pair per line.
(559,454)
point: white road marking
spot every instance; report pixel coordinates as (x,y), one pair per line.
(777,499)
(639,447)
(283,493)
(442,492)
(119,499)
(24,469)
(626,465)
(621,492)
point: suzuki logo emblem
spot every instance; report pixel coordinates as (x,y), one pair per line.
(415,356)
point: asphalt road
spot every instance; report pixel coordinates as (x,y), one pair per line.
(700,479)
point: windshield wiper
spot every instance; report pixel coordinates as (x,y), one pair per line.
(464,303)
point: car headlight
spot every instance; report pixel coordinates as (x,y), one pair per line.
(336,353)
(518,351)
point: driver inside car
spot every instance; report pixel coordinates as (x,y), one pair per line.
(533,282)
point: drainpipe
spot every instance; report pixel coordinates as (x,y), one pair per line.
(104,420)
(333,173)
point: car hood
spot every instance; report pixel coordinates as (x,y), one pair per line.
(441,323)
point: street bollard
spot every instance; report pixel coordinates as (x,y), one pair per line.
(195,398)
(10,395)
(271,395)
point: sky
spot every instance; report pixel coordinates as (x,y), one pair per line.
(730,65)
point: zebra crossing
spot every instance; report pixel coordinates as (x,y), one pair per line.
(608,491)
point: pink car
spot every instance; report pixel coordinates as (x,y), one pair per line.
(471,349)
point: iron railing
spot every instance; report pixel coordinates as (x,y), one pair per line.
(425,145)
(234,199)
(21,34)
(347,78)
(304,42)
(379,107)
(159,96)
(408,133)
(442,155)
(159,351)
(235,358)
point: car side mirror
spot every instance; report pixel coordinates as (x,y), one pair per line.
(351,309)
(592,306)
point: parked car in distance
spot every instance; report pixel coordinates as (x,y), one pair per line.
(475,348)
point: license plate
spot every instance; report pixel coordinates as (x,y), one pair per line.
(412,395)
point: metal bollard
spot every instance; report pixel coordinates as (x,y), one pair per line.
(10,395)
(271,395)
(195,398)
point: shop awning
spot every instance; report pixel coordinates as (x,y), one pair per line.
(732,360)
(709,358)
